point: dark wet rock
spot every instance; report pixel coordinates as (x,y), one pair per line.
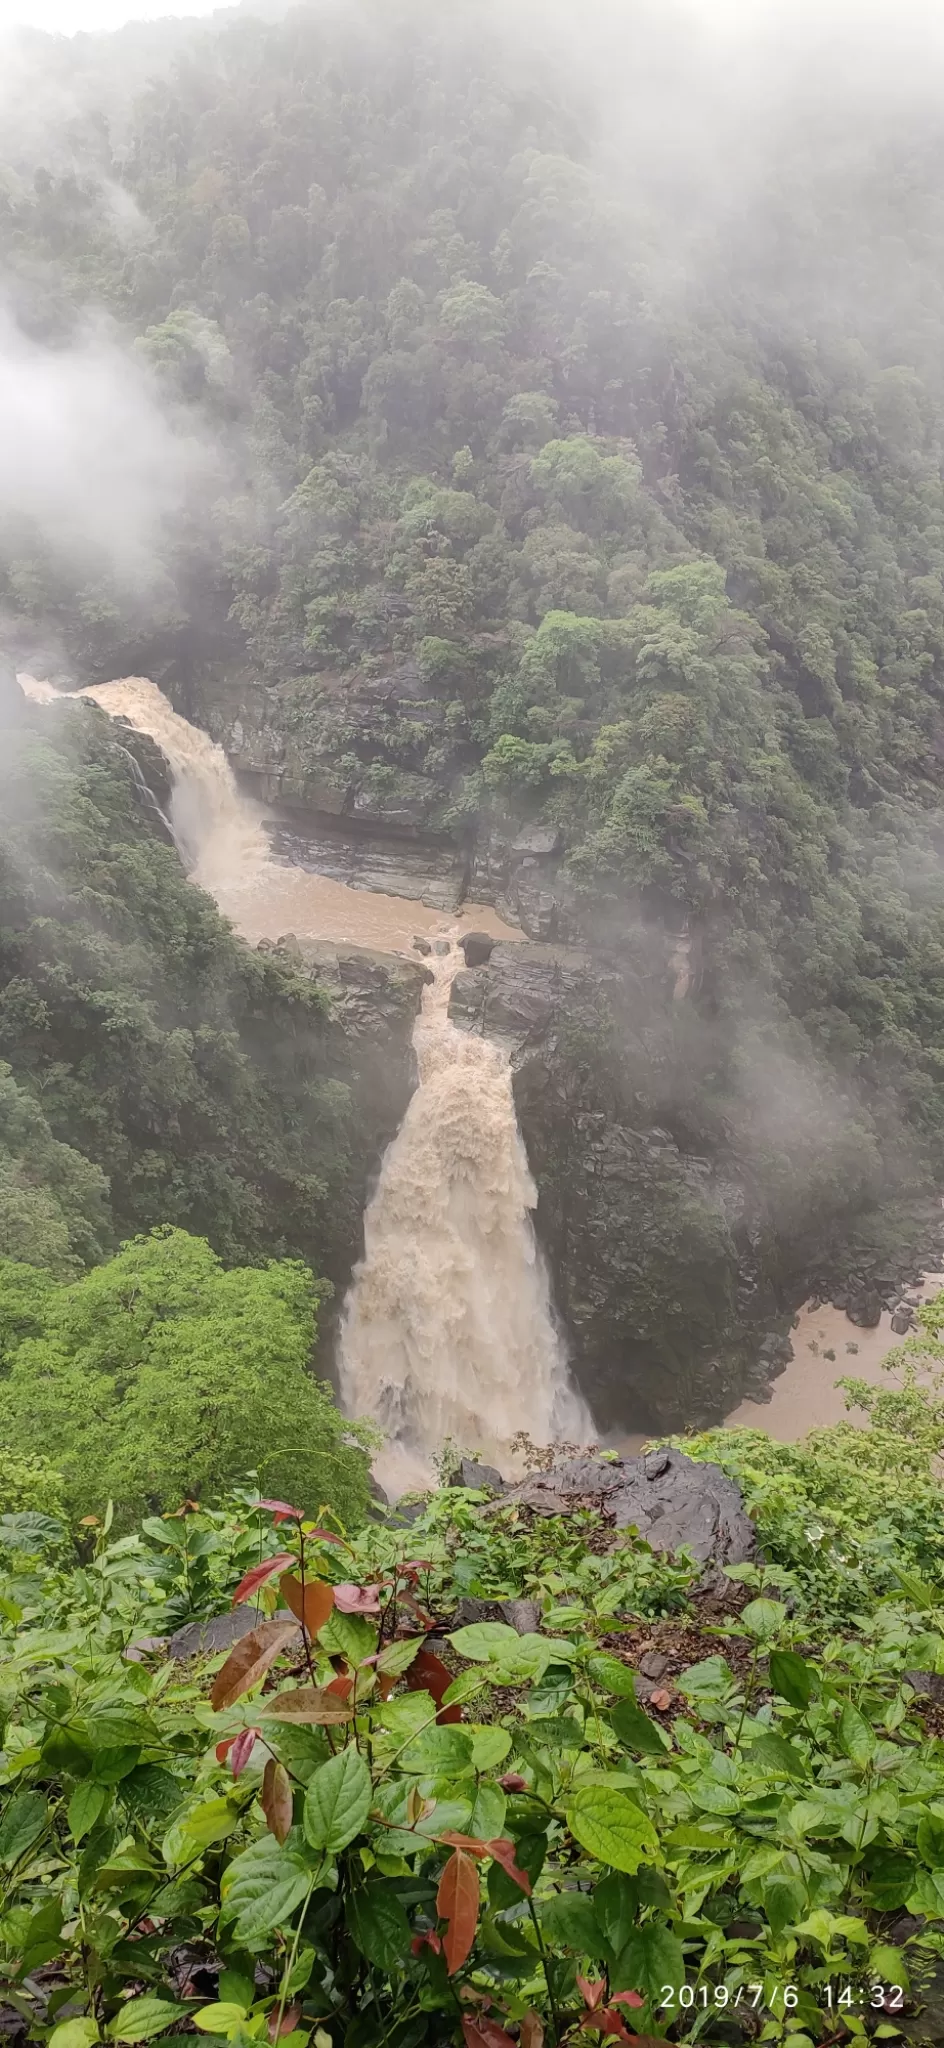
(902,1322)
(477,948)
(218,1632)
(441,947)
(929,1684)
(422,946)
(522,1615)
(289,946)
(775,1353)
(865,1310)
(470,1473)
(675,1502)
(652,1665)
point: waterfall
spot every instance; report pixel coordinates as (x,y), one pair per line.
(448,1331)
(218,832)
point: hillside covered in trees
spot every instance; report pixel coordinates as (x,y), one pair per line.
(542,424)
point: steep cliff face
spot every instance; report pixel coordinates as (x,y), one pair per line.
(679,1246)
(637,1231)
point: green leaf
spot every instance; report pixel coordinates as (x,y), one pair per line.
(636,1731)
(490,1746)
(438,1750)
(616,1903)
(487,1819)
(569,1920)
(777,1757)
(85,1807)
(262,1887)
(397,1657)
(74,2034)
(611,1675)
(349,1635)
(763,1617)
(651,1959)
(791,1678)
(378,1924)
(611,1827)
(22,1824)
(142,2018)
(482,1641)
(221,2018)
(931,1840)
(784,1902)
(337,1801)
(856,1736)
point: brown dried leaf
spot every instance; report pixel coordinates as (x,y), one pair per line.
(312,1604)
(310,1706)
(457,1902)
(249,1660)
(531,2031)
(276,1799)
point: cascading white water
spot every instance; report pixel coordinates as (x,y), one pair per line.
(219,833)
(448,1331)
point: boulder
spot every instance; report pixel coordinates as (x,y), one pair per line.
(218,1632)
(477,947)
(902,1321)
(470,1473)
(522,1615)
(675,1502)
(422,946)
(865,1309)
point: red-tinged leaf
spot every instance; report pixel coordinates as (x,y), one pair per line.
(421,1941)
(258,1575)
(276,1799)
(482,2033)
(249,1660)
(428,1673)
(503,1852)
(327,1536)
(223,1748)
(457,1902)
(470,1843)
(289,2021)
(591,1993)
(341,1687)
(310,1706)
(419,1613)
(242,1749)
(357,1599)
(626,1998)
(312,1604)
(531,2031)
(513,1782)
(282,1510)
(606,2020)
(661,1700)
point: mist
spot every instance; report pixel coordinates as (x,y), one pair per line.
(89,460)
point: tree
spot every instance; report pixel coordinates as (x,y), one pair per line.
(160,1376)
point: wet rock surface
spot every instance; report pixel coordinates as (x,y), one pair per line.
(675,1502)
(637,1232)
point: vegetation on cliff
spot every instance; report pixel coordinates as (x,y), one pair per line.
(546,478)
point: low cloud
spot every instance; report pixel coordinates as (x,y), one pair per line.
(90,460)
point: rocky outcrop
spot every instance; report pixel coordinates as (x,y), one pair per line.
(675,1502)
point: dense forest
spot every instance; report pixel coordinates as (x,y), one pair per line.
(610,432)
(509,430)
